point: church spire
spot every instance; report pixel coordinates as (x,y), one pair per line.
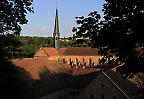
(56,29)
(56,33)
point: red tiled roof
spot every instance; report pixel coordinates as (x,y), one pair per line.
(35,65)
(51,51)
(81,51)
(44,52)
(82,71)
(50,76)
(41,53)
(55,76)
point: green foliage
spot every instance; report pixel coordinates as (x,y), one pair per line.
(88,28)
(29,45)
(13,80)
(64,44)
(13,14)
(9,46)
(119,33)
(81,43)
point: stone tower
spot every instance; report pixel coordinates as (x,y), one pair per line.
(56,34)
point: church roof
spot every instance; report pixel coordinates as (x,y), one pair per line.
(34,66)
(83,71)
(76,51)
(44,52)
(51,76)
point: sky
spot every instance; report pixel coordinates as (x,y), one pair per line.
(41,23)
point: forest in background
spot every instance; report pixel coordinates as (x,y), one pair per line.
(30,45)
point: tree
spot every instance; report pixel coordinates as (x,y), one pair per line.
(12,16)
(9,46)
(30,45)
(119,33)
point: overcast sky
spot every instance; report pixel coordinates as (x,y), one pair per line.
(41,23)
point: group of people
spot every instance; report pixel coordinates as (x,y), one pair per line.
(77,63)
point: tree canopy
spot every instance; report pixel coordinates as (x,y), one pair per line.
(14,81)
(119,32)
(13,14)
(30,45)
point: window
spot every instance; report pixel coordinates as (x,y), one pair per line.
(64,95)
(60,97)
(102,96)
(91,96)
(70,93)
(102,85)
(74,93)
(114,97)
(78,92)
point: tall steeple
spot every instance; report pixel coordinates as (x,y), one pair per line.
(56,34)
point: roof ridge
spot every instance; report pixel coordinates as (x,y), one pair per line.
(45,52)
(116,85)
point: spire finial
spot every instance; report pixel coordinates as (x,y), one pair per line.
(56,29)
(56,4)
